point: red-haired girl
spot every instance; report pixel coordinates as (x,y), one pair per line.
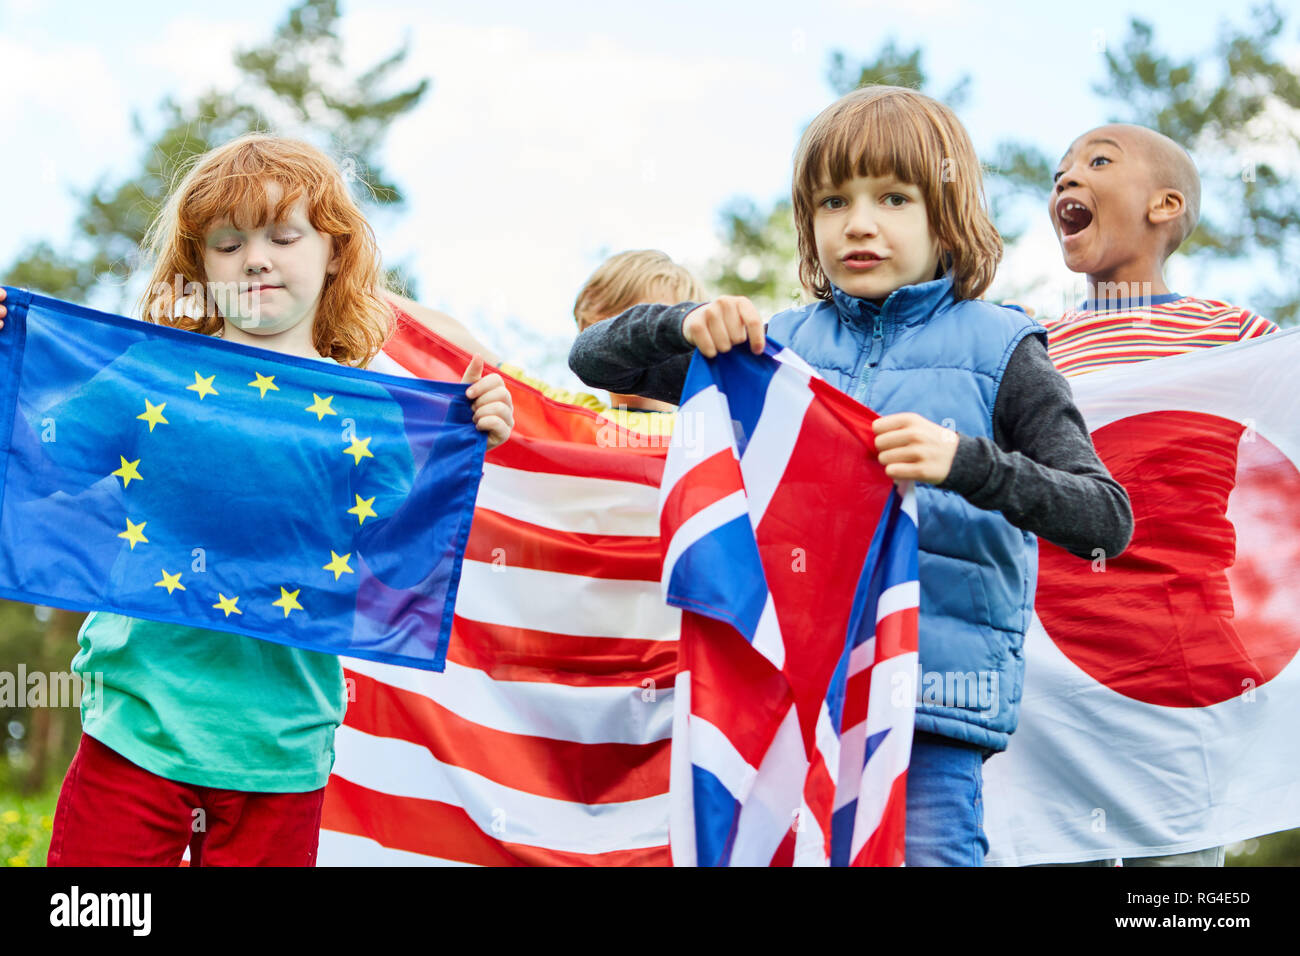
(198,738)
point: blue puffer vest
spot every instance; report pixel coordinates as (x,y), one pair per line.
(924,351)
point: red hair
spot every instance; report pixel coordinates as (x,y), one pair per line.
(230,182)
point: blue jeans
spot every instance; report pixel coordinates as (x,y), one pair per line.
(945,803)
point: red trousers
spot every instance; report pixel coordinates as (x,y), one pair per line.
(114,813)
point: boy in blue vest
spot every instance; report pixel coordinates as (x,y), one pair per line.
(896,246)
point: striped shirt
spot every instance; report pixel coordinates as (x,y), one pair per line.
(1087,338)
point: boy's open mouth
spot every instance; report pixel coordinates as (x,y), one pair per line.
(1073,215)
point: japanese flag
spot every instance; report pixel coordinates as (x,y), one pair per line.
(1161,708)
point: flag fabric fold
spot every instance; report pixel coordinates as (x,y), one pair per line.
(546,740)
(166,475)
(793,558)
(1162,687)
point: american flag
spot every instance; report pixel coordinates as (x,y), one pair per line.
(546,741)
(793,557)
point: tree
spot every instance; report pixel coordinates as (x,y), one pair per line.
(760,257)
(294,82)
(1235,107)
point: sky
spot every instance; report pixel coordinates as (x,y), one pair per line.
(556,134)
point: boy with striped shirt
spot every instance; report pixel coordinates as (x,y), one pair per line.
(1125,197)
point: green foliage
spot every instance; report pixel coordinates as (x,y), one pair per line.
(294,79)
(38,742)
(25,826)
(1235,107)
(892,66)
(1276,849)
(761,256)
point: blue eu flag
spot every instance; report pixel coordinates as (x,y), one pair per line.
(167,475)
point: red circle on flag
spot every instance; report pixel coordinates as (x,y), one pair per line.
(1200,607)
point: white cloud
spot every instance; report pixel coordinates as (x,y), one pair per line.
(527,163)
(59,104)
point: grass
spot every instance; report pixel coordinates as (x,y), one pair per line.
(25,825)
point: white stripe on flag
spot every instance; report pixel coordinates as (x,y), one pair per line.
(585,715)
(862,656)
(776,433)
(898,598)
(383,362)
(348,849)
(711,751)
(700,524)
(809,839)
(706,419)
(561,603)
(681,785)
(894,752)
(569,502)
(767,635)
(769,813)
(405,769)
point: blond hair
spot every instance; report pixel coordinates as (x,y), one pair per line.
(892,130)
(629,279)
(230,182)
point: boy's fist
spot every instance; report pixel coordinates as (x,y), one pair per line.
(914,448)
(494,409)
(726,321)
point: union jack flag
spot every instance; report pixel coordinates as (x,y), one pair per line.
(793,558)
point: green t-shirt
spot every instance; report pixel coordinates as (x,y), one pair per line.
(210,708)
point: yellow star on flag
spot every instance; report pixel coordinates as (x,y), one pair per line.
(264,383)
(134,533)
(362,509)
(128,472)
(227,604)
(172,582)
(339,565)
(153,414)
(321,406)
(360,448)
(202,385)
(288,601)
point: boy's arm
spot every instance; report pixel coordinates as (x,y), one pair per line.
(640,352)
(442,325)
(1041,471)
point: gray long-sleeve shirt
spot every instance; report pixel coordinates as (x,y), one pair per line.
(1040,470)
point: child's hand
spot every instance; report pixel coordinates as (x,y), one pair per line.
(915,448)
(494,409)
(3,310)
(726,321)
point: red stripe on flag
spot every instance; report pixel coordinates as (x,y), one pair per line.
(612,773)
(885,846)
(497,538)
(519,654)
(440,830)
(895,633)
(721,663)
(709,481)
(551,432)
